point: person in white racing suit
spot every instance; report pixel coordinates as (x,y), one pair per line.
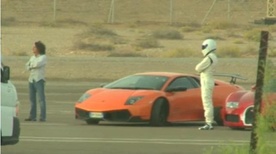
(206,69)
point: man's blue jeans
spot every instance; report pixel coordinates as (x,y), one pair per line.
(37,88)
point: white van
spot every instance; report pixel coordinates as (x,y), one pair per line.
(10,126)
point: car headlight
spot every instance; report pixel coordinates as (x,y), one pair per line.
(232,105)
(133,100)
(84,97)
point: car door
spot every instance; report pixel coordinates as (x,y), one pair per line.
(184,104)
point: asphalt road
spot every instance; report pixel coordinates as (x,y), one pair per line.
(62,134)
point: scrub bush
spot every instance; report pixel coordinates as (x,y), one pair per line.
(188,29)
(93,46)
(206,29)
(8,21)
(129,54)
(148,42)
(103,32)
(97,38)
(272,52)
(169,34)
(252,35)
(239,42)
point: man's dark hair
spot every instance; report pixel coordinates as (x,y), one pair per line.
(40,47)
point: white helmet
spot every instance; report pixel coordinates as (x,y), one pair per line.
(208,46)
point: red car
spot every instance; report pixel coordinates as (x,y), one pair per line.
(238,110)
(156,97)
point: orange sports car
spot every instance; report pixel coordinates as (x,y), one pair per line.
(156,97)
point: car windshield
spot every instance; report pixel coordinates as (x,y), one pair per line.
(139,82)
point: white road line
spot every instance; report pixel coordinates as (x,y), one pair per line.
(132,141)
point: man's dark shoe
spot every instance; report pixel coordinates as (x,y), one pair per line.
(42,120)
(29,119)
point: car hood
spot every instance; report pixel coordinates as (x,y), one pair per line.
(112,99)
(249,98)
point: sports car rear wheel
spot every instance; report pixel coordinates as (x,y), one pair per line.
(92,121)
(159,113)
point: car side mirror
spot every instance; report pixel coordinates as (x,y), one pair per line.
(176,89)
(5,74)
(253,87)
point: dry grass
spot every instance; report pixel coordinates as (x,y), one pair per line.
(144,11)
(125,54)
(84,31)
(18,40)
(252,35)
(230,52)
(223,24)
(180,53)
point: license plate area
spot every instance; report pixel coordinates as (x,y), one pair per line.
(96,115)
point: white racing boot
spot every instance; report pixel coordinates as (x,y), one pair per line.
(206,127)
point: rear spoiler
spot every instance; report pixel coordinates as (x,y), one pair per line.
(233,77)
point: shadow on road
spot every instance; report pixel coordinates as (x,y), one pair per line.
(146,124)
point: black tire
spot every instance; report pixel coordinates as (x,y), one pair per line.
(159,113)
(237,128)
(217,116)
(92,122)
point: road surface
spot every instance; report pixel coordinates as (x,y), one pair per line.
(62,134)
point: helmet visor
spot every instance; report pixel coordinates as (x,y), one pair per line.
(204,46)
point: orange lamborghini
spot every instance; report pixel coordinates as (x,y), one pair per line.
(156,97)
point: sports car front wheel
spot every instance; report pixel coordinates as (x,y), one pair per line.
(159,113)
(237,128)
(92,121)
